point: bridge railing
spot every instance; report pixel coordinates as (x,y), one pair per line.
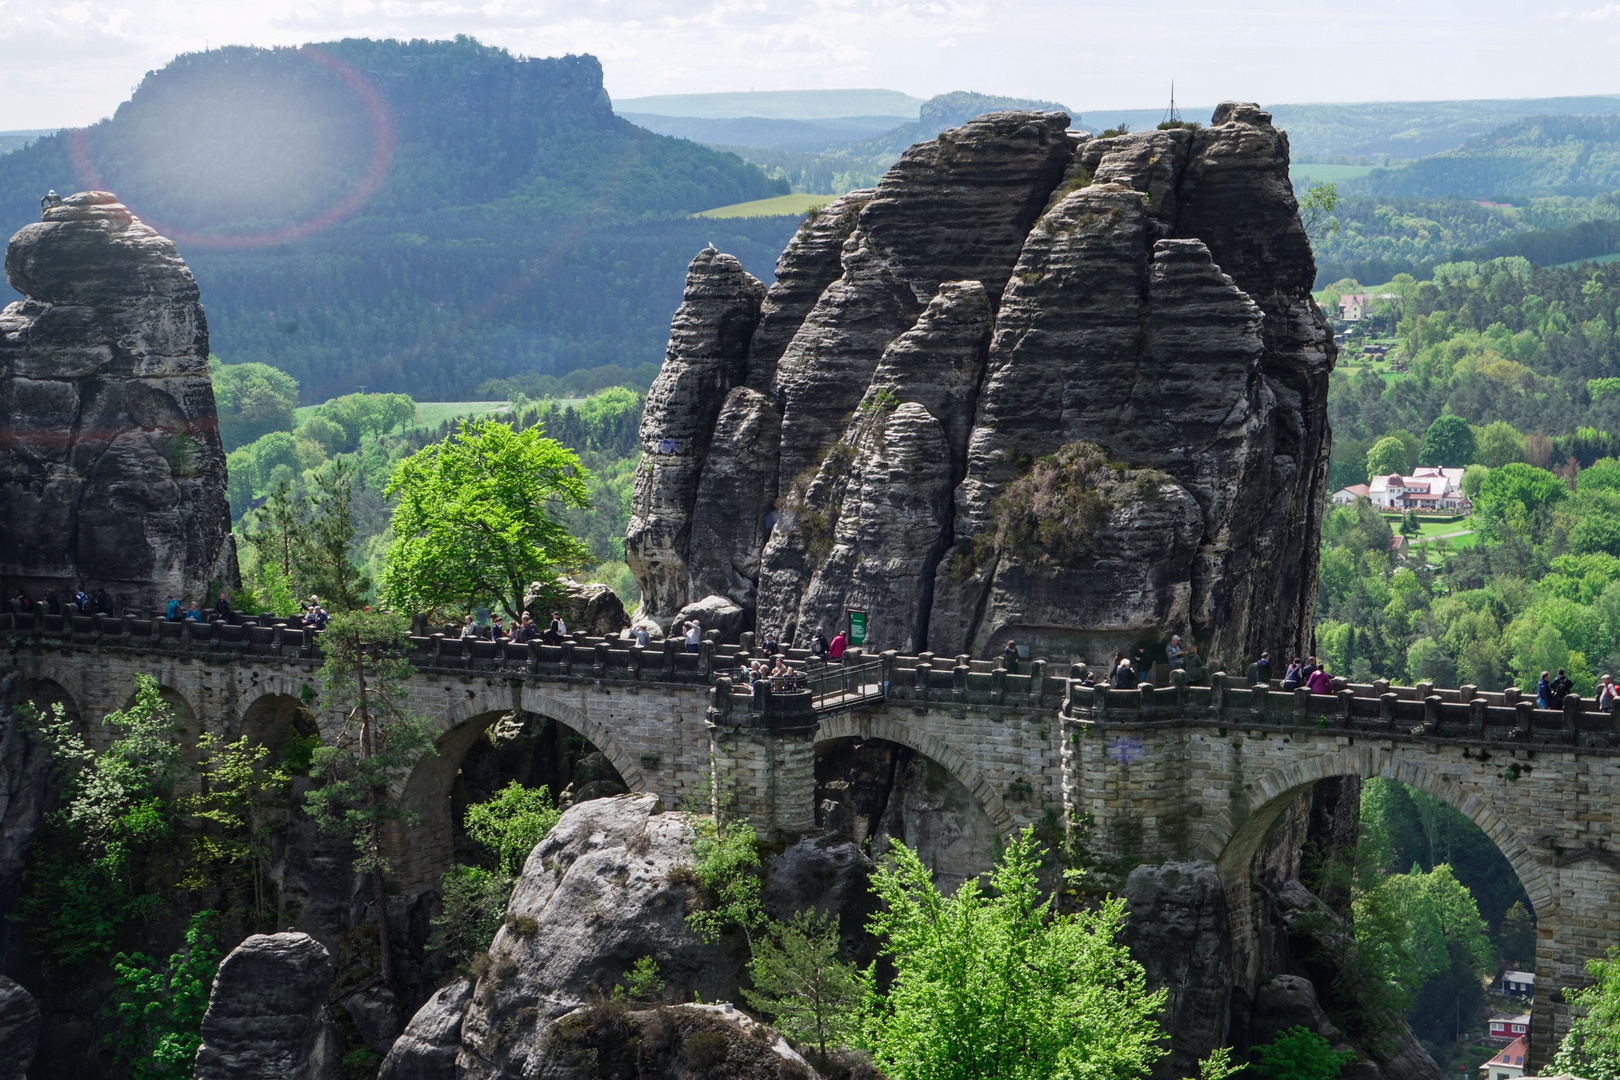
(1405,712)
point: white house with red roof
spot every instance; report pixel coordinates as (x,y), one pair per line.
(1426,488)
(1509,1064)
(1348,495)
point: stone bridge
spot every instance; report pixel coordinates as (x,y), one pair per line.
(1169,772)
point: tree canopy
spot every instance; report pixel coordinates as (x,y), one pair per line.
(997,984)
(476,519)
(1388,455)
(1448,442)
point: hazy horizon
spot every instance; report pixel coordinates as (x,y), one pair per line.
(71,65)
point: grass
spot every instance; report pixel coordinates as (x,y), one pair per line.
(434,413)
(781,206)
(1601,260)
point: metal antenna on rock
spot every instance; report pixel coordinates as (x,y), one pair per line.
(1171,116)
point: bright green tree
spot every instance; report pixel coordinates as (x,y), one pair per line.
(810,994)
(1519,497)
(476,519)
(1419,926)
(1592,1047)
(1448,442)
(998,984)
(86,867)
(240,804)
(1388,455)
(252,400)
(364,676)
(1316,211)
(159,1009)
(1498,443)
(511,824)
(323,558)
(1298,1054)
(726,866)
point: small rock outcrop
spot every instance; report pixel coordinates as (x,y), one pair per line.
(715,1041)
(112,473)
(25,769)
(19,1030)
(267,1017)
(1063,389)
(609,886)
(588,606)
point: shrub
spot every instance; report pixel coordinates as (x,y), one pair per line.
(512,824)
(472,905)
(1298,1054)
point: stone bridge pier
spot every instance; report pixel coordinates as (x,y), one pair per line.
(1161,773)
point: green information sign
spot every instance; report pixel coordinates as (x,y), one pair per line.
(857,628)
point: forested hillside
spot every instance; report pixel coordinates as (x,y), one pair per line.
(1541,156)
(408,216)
(1512,371)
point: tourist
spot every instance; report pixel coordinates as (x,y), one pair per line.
(1562,687)
(835,648)
(818,644)
(469,631)
(1175,655)
(525,632)
(694,635)
(1294,675)
(557,628)
(194,613)
(1309,669)
(1009,657)
(1124,675)
(641,635)
(1318,681)
(174,610)
(22,604)
(103,603)
(760,679)
(321,617)
(81,600)
(1606,694)
(1544,692)
(1089,678)
(1262,670)
(771,646)
(53,603)
(1195,667)
(222,608)
(497,629)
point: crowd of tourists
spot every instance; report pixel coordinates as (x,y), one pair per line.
(79,602)
(520,631)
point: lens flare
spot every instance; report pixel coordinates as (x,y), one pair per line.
(89,174)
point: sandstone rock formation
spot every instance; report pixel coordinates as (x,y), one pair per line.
(714,1041)
(19,1030)
(25,769)
(267,1017)
(1065,389)
(112,473)
(602,891)
(588,606)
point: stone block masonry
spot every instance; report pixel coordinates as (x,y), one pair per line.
(1161,773)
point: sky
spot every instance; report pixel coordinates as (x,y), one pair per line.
(71,62)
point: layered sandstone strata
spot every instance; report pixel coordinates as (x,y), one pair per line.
(111,472)
(1062,389)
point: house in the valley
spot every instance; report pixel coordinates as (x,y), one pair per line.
(1508,1065)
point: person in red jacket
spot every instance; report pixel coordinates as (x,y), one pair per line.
(1319,683)
(835,651)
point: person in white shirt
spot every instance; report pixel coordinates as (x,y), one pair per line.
(694,634)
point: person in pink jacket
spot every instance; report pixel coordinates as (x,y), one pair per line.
(835,651)
(1319,683)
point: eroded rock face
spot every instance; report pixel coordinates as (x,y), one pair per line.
(707,356)
(598,894)
(1008,292)
(1177,930)
(267,1017)
(427,1049)
(19,1029)
(715,1041)
(112,474)
(589,606)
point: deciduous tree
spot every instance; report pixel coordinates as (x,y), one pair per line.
(476,519)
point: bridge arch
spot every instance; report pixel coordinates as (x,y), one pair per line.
(866,725)
(427,849)
(1233,838)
